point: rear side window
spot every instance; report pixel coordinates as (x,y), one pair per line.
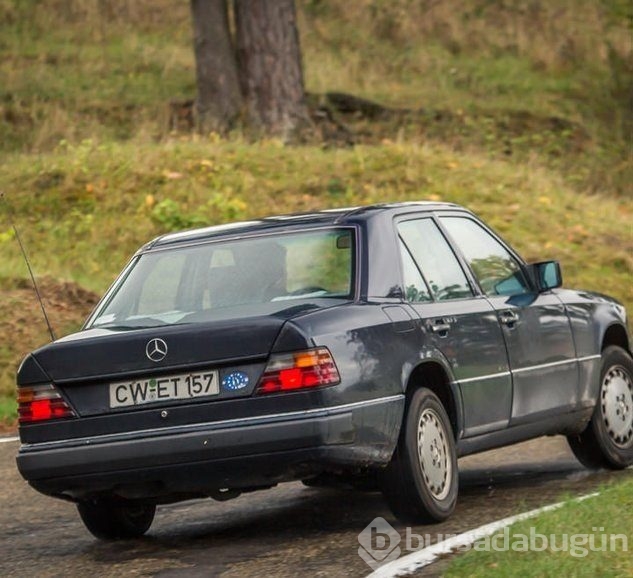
(415,288)
(435,259)
(495,268)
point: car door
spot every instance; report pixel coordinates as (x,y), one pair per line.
(535,325)
(457,322)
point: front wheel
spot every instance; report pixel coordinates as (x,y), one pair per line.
(420,483)
(607,442)
(109,519)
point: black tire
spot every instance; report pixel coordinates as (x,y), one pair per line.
(109,519)
(413,494)
(607,442)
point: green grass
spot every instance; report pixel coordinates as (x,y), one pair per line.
(8,410)
(138,190)
(565,59)
(108,69)
(605,515)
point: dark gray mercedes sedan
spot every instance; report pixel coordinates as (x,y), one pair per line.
(370,346)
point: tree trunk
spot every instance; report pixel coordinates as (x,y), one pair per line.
(269,59)
(219,98)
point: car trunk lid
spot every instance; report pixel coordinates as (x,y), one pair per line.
(108,353)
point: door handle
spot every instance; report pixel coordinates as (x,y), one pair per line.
(440,326)
(508,317)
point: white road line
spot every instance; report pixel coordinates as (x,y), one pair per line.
(416,560)
(7,440)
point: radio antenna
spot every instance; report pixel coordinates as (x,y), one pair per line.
(28,264)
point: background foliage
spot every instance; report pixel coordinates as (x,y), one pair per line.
(519,109)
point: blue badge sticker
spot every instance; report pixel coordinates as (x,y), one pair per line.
(235,381)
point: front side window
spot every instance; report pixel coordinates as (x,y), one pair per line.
(435,259)
(236,278)
(495,268)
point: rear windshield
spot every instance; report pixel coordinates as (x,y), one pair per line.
(238,278)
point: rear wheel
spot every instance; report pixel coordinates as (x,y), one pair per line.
(420,483)
(607,442)
(109,519)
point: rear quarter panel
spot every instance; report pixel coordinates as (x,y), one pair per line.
(376,349)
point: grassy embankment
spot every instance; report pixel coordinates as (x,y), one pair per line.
(521,115)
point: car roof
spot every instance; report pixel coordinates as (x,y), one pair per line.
(337,216)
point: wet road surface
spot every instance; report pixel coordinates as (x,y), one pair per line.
(290,530)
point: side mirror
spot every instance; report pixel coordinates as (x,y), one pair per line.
(547,275)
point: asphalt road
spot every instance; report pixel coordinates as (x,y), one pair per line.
(290,530)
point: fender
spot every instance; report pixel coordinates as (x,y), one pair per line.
(431,355)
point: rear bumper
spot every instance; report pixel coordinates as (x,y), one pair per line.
(197,459)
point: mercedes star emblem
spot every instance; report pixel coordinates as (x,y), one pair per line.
(156,349)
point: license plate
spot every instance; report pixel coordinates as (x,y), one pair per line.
(167,388)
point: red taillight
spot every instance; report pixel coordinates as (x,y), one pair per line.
(41,402)
(301,370)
